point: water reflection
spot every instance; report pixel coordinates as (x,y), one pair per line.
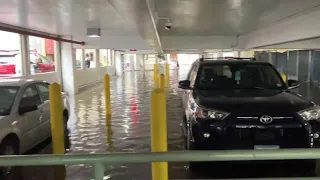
(129,131)
(43,172)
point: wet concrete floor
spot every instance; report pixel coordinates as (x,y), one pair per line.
(130,132)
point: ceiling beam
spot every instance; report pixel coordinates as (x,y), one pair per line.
(140,12)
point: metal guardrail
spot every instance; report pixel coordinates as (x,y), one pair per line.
(98,160)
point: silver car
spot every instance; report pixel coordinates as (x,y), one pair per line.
(25,114)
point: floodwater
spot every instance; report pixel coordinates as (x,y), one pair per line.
(130,132)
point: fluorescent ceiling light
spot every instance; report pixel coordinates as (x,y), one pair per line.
(94,32)
(93,36)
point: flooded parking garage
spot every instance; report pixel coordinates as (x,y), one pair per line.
(130,132)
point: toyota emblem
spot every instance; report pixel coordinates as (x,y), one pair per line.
(265,119)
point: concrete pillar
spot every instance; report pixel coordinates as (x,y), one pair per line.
(97,52)
(139,61)
(57,59)
(117,63)
(83,64)
(143,61)
(113,57)
(68,64)
(25,57)
(236,54)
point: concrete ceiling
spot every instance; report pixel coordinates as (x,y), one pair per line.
(207,24)
(198,25)
(225,17)
(73,17)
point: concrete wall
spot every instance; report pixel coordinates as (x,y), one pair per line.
(85,77)
(50,77)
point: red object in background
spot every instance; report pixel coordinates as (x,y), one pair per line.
(132,49)
(8,68)
(49,46)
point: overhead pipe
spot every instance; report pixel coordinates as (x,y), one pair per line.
(30,32)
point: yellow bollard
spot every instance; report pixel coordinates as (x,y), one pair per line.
(162,82)
(56,117)
(155,75)
(284,77)
(159,132)
(107,96)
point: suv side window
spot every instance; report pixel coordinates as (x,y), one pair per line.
(31,93)
(43,91)
(193,76)
(190,72)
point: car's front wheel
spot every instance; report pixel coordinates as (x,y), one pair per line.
(190,145)
(8,147)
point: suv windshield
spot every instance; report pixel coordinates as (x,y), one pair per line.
(239,76)
(7,96)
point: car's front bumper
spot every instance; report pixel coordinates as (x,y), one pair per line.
(220,136)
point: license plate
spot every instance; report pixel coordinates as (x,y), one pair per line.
(266,147)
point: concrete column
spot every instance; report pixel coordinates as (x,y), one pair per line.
(139,60)
(25,57)
(113,57)
(117,63)
(144,58)
(97,52)
(68,64)
(57,59)
(236,54)
(83,64)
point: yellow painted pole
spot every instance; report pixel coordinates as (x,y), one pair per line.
(56,117)
(155,75)
(107,96)
(159,132)
(162,82)
(284,77)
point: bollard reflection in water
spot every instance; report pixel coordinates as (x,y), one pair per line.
(129,131)
(109,135)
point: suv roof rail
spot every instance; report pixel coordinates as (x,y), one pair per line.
(249,58)
(236,58)
(202,59)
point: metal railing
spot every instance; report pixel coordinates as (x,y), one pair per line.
(98,160)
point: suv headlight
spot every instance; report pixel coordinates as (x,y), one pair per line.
(312,113)
(210,114)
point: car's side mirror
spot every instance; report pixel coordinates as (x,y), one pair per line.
(293,84)
(185,84)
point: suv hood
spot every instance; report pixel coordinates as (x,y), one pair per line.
(252,102)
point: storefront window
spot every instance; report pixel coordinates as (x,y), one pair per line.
(90,58)
(10,55)
(79,58)
(41,55)
(103,57)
